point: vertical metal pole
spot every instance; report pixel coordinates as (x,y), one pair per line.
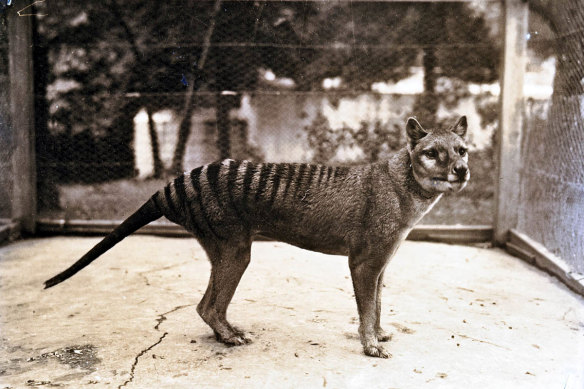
(511,119)
(22,118)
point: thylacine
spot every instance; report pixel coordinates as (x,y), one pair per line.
(364,212)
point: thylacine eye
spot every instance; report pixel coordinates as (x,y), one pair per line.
(431,153)
(462,151)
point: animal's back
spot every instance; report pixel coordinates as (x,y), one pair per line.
(308,205)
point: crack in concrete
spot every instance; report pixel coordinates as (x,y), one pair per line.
(483,341)
(142,273)
(159,320)
(162,316)
(133,369)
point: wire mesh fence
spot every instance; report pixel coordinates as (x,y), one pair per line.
(552,172)
(129,94)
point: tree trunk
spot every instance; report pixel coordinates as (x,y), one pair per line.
(222,105)
(184,131)
(426,105)
(194,84)
(155,145)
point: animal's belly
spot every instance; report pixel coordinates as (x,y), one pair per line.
(323,243)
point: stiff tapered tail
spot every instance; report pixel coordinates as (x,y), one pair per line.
(146,214)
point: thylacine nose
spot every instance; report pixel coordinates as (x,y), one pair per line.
(461,171)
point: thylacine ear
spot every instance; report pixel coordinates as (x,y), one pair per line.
(415,131)
(460,127)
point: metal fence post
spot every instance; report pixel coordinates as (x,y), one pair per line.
(22,118)
(511,119)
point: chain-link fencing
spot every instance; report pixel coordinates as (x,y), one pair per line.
(552,172)
(131,93)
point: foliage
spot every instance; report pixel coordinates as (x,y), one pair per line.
(103,64)
(89,49)
(370,42)
(376,139)
(322,139)
(373,141)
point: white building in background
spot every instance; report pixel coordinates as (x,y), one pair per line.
(143,159)
(276,120)
(166,125)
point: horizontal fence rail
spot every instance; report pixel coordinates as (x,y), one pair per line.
(444,234)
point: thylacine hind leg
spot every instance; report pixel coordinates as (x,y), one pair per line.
(229,259)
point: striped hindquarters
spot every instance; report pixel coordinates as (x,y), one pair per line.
(213,198)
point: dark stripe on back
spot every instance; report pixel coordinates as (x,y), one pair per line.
(329,173)
(169,202)
(179,183)
(195,177)
(264,175)
(247,179)
(276,181)
(299,179)
(289,178)
(213,180)
(179,186)
(320,174)
(231,178)
(311,172)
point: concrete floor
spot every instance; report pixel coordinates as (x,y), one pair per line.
(461,317)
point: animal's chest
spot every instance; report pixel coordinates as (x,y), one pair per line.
(393,216)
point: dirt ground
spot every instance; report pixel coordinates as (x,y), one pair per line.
(461,317)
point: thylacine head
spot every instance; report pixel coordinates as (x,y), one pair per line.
(439,157)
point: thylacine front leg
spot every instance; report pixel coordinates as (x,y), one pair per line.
(366,269)
(382,336)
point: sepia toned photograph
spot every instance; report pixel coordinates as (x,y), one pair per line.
(292,193)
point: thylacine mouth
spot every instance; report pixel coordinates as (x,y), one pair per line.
(445,179)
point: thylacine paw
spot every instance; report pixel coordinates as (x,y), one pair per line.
(383,336)
(237,338)
(376,351)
